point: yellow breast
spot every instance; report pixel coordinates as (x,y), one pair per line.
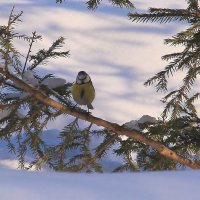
(83,94)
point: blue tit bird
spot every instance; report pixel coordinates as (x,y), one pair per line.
(83,91)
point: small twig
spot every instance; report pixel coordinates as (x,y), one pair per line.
(7,40)
(9,20)
(89,127)
(8,35)
(57,95)
(105,146)
(29,50)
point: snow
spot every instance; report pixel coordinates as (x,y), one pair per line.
(20,185)
(5,113)
(134,124)
(147,119)
(15,95)
(29,78)
(8,164)
(53,82)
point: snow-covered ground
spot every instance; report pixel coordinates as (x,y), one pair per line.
(21,185)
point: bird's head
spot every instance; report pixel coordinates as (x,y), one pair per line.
(82,78)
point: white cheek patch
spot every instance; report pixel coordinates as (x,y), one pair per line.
(82,81)
(87,79)
(78,81)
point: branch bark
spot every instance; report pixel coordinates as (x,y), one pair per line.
(120,130)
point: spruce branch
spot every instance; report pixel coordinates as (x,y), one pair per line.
(8,36)
(130,164)
(187,60)
(43,54)
(126,149)
(184,37)
(60,1)
(93,4)
(7,50)
(33,39)
(100,122)
(109,140)
(193,5)
(162,15)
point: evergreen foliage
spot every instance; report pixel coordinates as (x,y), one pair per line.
(93,4)
(74,150)
(181,131)
(181,100)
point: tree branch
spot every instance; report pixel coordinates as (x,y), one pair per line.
(29,51)
(120,130)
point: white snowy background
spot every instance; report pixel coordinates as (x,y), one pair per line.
(119,55)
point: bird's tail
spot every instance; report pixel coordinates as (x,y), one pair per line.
(90,106)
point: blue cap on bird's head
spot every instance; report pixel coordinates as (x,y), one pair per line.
(82,77)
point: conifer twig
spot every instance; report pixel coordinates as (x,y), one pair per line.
(29,50)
